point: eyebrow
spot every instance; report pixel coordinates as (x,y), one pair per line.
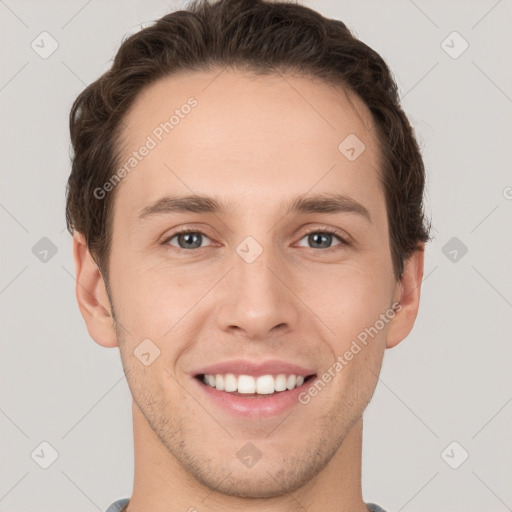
(319,203)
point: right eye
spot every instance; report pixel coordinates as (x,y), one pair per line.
(186,240)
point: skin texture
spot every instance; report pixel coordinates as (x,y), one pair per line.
(253,143)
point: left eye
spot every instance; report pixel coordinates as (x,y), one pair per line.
(319,239)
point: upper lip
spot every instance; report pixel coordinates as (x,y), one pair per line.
(254,368)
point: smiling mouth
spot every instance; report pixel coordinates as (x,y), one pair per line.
(247,386)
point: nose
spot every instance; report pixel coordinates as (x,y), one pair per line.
(258,299)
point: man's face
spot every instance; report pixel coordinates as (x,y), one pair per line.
(250,283)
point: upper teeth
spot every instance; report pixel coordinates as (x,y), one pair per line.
(263,385)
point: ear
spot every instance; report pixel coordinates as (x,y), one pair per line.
(91,295)
(407,294)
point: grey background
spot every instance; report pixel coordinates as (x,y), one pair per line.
(449,381)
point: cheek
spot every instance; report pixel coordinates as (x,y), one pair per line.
(348,299)
(155,303)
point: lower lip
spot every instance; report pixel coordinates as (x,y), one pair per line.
(251,406)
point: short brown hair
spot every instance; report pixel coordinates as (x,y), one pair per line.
(264,37)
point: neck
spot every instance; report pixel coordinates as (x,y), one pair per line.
(163,484)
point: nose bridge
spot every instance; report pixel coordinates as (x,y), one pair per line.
(256,299)
(256,279)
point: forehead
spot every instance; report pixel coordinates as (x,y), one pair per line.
(231,135)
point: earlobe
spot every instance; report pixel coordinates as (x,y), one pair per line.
(408,295)
(92,295)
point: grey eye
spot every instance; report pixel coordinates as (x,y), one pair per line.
(188,240)
(320,240)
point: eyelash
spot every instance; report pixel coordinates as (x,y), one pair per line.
(326,231)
